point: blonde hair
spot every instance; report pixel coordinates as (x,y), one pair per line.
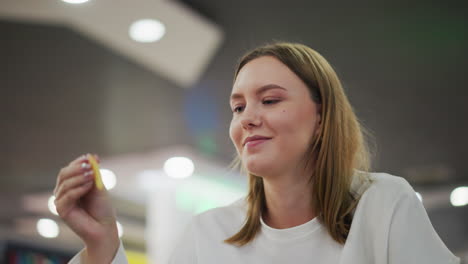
(334,154)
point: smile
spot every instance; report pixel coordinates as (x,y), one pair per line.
(254,143)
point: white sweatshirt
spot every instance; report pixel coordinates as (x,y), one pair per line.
(390,226)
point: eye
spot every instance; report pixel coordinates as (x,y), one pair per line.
(270,101)
(237,109)
(240,108)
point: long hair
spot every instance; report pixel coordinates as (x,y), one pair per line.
(334,154)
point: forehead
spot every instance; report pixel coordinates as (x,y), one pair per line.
(265,71)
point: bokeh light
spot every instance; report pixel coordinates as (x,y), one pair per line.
(179,167)
(51,205)
(108,178)
(459,196)
(75,1)
(147,30)
(47,228)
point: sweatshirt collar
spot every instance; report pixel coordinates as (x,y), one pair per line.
(291,233)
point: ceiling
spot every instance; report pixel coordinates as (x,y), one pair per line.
(403,65)
(181,55)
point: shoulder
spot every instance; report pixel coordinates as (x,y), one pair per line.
(390,184)
(379,199)
(382,185)
(382,194)
(390,222)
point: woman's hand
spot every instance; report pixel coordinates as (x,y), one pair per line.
(87,210)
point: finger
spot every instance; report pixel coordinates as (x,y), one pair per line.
(73,182)
(97,158)
(67,171)
(68,200)
(75,168)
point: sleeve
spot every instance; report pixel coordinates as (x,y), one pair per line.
(412,238)
(185,250)
(120,257)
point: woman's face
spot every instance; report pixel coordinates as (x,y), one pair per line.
(268,100)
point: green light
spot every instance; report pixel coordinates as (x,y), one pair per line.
(205,205)
(200,194)
(206,144)
(184,201)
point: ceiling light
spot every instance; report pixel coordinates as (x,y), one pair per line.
(47,228)
(178,167)
(147,30)
(75,1)
(108,178)
(459,196)
(51,205)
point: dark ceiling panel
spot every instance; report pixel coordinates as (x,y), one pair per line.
(403,66)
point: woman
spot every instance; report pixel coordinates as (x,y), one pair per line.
(310,199)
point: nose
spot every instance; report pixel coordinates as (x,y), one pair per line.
(250,118)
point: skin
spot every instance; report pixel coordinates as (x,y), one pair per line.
(290,118)
(87,211)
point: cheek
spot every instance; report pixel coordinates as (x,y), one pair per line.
(283,121)
(308,125)
(234,133)
(294,123)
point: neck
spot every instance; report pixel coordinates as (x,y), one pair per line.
(288,201)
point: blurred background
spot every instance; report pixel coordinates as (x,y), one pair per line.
(145,84)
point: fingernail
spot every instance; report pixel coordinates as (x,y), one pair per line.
(85,165)
(88,173)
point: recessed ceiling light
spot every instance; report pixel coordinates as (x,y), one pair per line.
(75,1)
(147,30)
(47,228)
(108,178)
(459,196)
(179,167)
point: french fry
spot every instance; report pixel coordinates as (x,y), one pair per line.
(97,173)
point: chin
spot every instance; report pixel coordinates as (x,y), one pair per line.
(258,168)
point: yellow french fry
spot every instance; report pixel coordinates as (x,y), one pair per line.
(97,173)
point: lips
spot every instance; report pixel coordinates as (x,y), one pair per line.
(254,138)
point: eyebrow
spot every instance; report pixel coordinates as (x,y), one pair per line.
(259,90)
